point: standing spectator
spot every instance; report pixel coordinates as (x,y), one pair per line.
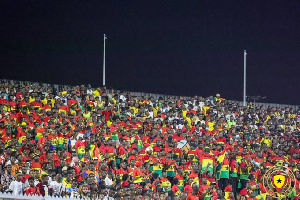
(16,186)
(31,189)
(43,187)
(57,186)
(7,177)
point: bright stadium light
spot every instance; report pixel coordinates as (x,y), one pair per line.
(244,96)
(104,38)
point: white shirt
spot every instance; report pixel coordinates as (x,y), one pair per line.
(89,91)
(16,187)
(108,198)
(151,114)
(122,97)
(180,126)
(58,188)
(108,181)
(201,104)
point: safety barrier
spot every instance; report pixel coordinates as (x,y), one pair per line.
(8,196)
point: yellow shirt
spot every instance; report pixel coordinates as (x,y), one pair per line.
(189,122)
(211,126)
(155,111)
(205,108)
(114,100)
(96,93)
(87,115)
(135,110)
(267,141)
(184,113)
(31,99)
(67,185)
(108,123)
(45,101)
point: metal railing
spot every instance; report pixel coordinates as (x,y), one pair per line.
(8,196)
(61,88)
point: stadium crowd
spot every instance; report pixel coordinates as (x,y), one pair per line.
(95,143)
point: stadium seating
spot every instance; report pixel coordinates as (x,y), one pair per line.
(101,144)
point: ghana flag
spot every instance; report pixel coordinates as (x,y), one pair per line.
(223,166)
(207,160)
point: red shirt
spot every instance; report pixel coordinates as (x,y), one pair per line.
(202,188)
(156,148)
(31,191)
(177,138)
(175,189)
(121,171)
(188,188)
(125,183)
(190,196)
(36,165)
(108,149)
(80,143)
(24,178)
(221,140)
(137,172)
(106,114)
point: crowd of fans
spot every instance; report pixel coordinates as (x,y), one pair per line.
(88,144)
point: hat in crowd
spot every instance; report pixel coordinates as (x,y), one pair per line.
(149,149)
(244,192)
(35,155)
(207,149)
(44,173)
(228,188)
(138,164)
(146,145)
(18,173)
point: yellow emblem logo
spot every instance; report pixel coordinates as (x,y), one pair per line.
(279,181)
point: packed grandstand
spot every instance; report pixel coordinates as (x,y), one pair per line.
(100,144)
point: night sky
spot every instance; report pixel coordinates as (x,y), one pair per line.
(171,47)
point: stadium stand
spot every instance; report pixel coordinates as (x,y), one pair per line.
(85,143)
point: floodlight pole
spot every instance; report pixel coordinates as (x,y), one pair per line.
(104,38)
(244,96)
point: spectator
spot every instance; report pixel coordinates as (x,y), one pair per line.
(16,186)
(57,186)
(43,186)
(31,189)
(95,143)
(7,177)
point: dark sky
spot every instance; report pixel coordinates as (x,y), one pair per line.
(172,47)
